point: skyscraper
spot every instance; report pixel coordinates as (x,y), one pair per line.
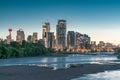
(46,30)
(82,41)
(86,40)
(78,40)
(20,36)
(61,34)
(9,37)
(30,38)
(93,46)
(70,40)
(50,40)
(35,37)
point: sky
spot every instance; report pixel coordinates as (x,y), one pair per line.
(100,19)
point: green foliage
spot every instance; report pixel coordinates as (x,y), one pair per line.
(26,49)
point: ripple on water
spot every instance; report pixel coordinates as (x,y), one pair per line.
(107,75)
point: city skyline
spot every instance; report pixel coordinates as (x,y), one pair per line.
(97,18)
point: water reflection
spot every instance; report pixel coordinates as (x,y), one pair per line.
(61,61)
(44,60)
(107,75)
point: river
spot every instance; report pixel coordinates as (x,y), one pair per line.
(58,61)
(71,59)
(107,75)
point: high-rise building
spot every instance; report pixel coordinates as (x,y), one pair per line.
(35,37)
(20,36)
(30,38)
(101,44)
(9,37)
(109,47)
(93,46)
(50,40)
(93,43)
(78,40)
(82,42)
(86,41)
(61,34)
(70,40)
(41,42)
(46,29)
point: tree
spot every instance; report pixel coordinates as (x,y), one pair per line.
(15,44)
(24,50)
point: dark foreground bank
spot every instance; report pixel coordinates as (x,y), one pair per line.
(38,73)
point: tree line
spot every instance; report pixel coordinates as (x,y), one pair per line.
(15,50)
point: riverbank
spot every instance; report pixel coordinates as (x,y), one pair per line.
(39,73)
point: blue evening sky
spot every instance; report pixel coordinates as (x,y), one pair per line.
(100,19)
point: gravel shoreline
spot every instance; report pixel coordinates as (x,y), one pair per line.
(39,73)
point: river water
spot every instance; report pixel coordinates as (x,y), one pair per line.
(70,59)
(107,75)
(59,61)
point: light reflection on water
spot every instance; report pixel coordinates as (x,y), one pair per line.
(107,75)
(61,61)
